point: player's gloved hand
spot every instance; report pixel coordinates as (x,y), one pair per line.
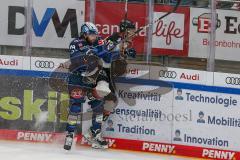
(131,52)
(110,45)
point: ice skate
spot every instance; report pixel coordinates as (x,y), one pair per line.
(98,142)
(68,141)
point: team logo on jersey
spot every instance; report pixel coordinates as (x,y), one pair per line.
(77,93)
(101,42)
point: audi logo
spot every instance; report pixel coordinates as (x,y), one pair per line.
(44,64)
(233,80)
(167,74)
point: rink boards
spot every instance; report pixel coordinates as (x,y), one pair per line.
(163,110)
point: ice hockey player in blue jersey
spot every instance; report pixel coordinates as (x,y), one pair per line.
(84,82)
(113,66)
(91,58)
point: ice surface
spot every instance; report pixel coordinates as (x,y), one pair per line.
(10,150)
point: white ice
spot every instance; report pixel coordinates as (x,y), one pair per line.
(10,150)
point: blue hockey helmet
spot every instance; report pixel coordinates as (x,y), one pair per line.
(89,28)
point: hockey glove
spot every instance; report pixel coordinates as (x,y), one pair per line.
(131,52)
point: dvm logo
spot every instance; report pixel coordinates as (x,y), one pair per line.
(40,26)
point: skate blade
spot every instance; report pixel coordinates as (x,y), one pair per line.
(96,146)
(67,148)
(88,139)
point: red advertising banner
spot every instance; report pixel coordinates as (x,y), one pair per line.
(109,15)
(170,35)
(125,144)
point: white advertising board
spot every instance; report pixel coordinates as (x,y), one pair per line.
(227,34)
(55,22)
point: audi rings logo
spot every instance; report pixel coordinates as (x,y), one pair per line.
(167,74)
(233,80)
(44,64)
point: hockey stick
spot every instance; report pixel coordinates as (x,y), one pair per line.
(230,1)
(160,18)
(122,50)
(141,28)
(125,19)
(148,25)
(126,9)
